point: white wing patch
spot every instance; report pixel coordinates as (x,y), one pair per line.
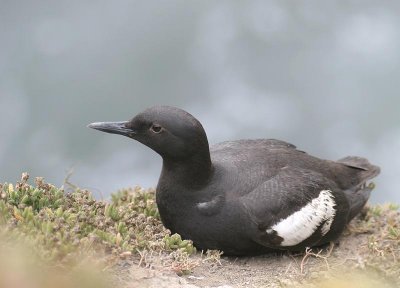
(302,224)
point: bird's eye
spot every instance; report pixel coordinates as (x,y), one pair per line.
(156,128)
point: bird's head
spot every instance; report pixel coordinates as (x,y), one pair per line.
(171,132)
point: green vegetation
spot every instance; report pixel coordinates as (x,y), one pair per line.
(384,239)
(65,229)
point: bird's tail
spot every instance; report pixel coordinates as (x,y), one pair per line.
(359,195)
(368,170)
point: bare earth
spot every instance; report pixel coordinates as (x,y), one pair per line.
(346,260)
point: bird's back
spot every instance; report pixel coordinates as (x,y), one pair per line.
(251,162)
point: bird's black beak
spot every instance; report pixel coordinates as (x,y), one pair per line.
(114,128)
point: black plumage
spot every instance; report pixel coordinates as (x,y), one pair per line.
(236,195)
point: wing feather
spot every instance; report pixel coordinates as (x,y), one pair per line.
(295,207)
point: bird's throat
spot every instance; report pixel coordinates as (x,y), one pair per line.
(192,173)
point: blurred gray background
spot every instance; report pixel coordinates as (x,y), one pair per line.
(324,75)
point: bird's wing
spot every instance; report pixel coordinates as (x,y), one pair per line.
(296,208)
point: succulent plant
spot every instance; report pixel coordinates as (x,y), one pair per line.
(61,224)
(174,242)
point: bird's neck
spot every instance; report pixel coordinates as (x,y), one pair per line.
(193,172)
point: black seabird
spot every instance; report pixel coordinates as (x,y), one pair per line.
(247,196)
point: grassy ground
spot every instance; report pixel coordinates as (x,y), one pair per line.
(73,237)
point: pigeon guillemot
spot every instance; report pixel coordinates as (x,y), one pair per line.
(247,196)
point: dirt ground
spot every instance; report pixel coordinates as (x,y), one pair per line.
(345,260)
